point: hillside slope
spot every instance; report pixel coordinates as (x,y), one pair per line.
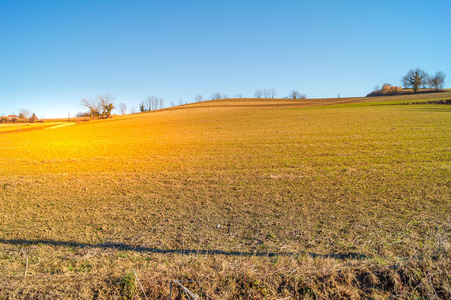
(251,198)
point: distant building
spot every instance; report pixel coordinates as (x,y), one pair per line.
(13,117)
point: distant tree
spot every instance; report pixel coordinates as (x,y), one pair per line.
(438,80)
(198,98)
(83,114)
(24,113)
(303,96)
(180,101)
(172,104)
(294,94)
(258,93)
(33,118)
(123,108)
(216,96)
(272,93)
(414,79)
(151,103)
(90,104)
(133,110)
(239,96)
(106,104)
(376,87)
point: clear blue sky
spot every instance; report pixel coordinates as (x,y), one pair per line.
(53,53)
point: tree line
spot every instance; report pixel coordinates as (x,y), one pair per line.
(103,105)
(24,116)
(259,93)
(414,79)
(417,78)
(151,103)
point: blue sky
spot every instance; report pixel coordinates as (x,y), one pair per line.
(53,53)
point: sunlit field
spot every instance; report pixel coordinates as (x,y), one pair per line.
(252,198)
(21,127)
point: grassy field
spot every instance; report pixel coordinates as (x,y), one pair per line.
(252,198)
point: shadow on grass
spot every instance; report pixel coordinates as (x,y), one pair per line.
(121,246)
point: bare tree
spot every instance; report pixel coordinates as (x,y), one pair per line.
(272,93)
(438,80)
(123,108)
(172,104)
(24,113)
(151,103)
(216,96)
(133,110)
(294,94)
(198,98)
(180,101)
(414,79)
(258,93)
(90,104)
(239,95)
(106,104)
(100,107)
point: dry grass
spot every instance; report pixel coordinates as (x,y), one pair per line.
(250,198)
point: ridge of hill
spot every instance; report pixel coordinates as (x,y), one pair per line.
(310,102)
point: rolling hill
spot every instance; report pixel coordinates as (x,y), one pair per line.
(250,198)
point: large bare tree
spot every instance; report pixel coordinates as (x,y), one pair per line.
(106,104)
(414,79)
(101,106)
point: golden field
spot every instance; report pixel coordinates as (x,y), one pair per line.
(253,198)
